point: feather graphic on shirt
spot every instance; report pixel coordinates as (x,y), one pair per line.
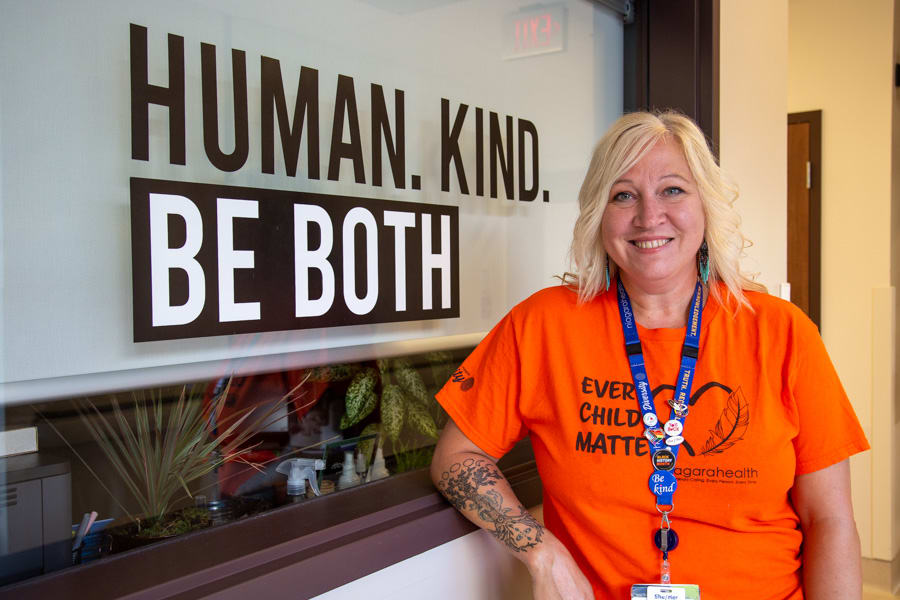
(731,426)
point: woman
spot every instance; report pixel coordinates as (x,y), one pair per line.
(665,395)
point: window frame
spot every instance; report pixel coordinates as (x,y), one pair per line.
(364,530)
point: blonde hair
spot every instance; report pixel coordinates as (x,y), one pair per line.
(629,139)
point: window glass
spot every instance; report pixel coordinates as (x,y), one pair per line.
(161,462)
(148,238)
(266,198)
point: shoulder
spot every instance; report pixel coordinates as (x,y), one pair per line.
(767,306)
(558,300)
(557,295)
(771,313)
(552,308)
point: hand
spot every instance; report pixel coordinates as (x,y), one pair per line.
(555,574)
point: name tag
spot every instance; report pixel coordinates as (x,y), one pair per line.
(655,591)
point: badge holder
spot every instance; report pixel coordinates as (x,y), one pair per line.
(665,440)
(658,591)
(666,540)
(663,485)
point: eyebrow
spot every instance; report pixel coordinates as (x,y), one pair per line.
(667,176)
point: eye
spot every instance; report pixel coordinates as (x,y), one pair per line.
(623,197)
(673,191)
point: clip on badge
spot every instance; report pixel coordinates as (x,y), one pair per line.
(671,591)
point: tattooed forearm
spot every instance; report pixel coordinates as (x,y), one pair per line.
(468,486)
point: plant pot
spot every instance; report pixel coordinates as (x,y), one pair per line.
(127,536)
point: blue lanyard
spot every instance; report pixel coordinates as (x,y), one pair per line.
(665,438)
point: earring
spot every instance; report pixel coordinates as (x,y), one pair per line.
(703,262)
(606,269)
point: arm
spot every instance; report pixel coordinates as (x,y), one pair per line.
(831,551)
(470,480)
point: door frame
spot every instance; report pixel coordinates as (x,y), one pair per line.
(814,119)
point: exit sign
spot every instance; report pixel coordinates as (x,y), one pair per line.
(534,31)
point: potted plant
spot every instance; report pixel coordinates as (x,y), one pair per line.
(405,404)
(165,447)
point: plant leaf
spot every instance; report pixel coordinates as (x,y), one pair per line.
(442,366)
(393,410)
(410,380)
(81,459)
(329,373)
(357,399)
(171,443)
(366,406)
(384,366)
(419,418)
(117,451)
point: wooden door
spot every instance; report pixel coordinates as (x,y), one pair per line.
(803,212)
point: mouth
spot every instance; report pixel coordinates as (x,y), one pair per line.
(651,244)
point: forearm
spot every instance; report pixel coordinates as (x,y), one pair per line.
(473,484)
(831,561)
(471,481)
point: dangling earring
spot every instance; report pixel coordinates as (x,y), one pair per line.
(703,262)
(606,269)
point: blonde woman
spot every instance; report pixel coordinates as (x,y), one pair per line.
(689,429)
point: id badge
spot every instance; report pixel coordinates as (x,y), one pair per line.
(658,591)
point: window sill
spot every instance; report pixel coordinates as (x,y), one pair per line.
(324,542)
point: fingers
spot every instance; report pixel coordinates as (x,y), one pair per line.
(562,581)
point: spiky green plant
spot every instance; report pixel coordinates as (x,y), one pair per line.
(169,447)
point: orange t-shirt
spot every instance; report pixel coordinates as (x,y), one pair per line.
(766,406)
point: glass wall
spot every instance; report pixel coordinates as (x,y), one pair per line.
(308,211)
(160,462)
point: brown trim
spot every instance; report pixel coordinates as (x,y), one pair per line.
(814,118)
(668,71)
(325,543)
(708,72)
(635,77)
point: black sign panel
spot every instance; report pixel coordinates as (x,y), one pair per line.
(215,260)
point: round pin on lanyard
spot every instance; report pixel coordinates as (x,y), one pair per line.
(664,438)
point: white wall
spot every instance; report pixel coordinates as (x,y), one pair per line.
(473,567)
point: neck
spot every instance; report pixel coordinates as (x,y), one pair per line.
(656,308)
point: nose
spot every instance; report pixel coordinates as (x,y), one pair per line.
(650,211)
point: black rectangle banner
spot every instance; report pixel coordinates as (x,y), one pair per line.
(216,260)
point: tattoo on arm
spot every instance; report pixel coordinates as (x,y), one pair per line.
(468,486)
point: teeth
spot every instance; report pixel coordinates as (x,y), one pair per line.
(651,243)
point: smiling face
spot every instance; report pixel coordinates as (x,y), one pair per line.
(653,224)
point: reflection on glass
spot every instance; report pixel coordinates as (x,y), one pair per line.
(153,464)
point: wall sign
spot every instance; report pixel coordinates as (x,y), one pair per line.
(241,121)
(214,260)
(300,260)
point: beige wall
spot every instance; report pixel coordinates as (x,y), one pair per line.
(778,57)
(841,61)
(893,505)
(753,41)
